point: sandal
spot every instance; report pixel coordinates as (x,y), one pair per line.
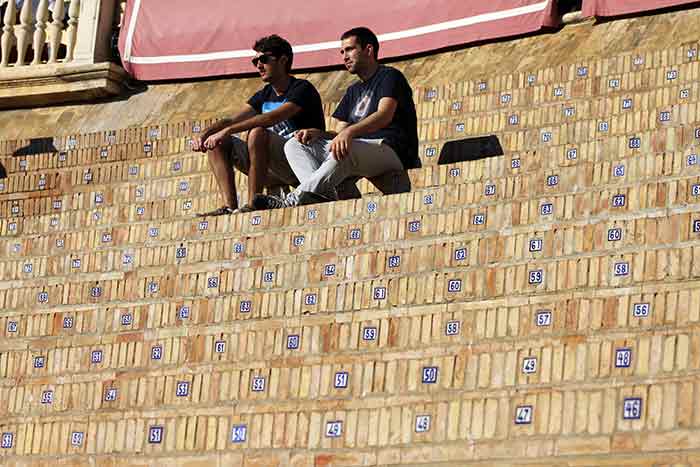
(222,211)
(244,208)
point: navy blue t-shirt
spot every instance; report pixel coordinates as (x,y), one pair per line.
(302,93)
(362,99)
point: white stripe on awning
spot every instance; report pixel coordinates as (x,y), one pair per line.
(390,36)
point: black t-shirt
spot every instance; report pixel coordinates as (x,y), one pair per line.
(300,92)
(362,99)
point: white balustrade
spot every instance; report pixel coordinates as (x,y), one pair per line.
(56,30)
(72,33)
(43,26)
(8,32)
(42,14)
(23,31)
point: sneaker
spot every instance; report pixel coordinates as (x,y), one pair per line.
(309,197)
(291,200)
(244,208)
(270,202)
(222,211)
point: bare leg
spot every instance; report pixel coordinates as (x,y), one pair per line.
(258,144)
(221,166)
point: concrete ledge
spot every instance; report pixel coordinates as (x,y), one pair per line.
(34,86)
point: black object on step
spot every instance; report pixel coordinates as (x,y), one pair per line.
(470,149)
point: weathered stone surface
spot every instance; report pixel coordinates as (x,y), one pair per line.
(44,85)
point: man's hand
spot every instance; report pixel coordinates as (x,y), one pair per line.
(198,140)
(216,139)
(196,144)
(341,145)
(308,136)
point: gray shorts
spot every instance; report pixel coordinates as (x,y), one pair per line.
(279,172)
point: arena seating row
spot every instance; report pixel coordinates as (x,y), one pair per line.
(610,310)
(674,105)
(615,205)
(384,422)
(267,341)
(105,249)
(659,61)
(559,154)
(676,66)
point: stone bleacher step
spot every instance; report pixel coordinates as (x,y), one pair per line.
(657,63)
(528,277)
(380,256)
(410,210)
(550,414)
(530,165)
(558,358)
(673,194)
(670,305)
(442,129)
(294,390)
(155,134)
(199,180)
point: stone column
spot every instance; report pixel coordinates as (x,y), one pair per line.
(94,31)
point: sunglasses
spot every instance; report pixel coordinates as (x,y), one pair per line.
(264,59)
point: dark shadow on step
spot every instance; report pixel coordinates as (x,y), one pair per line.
(392,183)
(389,183)
(36,146)
(470,149)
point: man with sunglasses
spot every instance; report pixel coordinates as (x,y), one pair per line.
(377,131)
(271,116)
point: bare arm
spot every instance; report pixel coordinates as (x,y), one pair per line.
(265,120)
(280,114)
(340,126)
(308,135)
(246,112)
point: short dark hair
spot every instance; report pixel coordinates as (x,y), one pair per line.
(365,37)
(277,46)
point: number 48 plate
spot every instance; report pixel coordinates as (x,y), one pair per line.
(334,429)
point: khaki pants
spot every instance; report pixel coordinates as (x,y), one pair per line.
(320,173)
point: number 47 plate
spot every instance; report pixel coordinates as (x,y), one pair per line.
(523,415)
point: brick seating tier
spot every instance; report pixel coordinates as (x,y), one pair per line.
(541,307)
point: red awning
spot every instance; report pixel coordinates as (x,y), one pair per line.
(185,39)
(625,7)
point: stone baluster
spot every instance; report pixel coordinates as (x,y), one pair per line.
(42,14)
(56,30)
(8,33)
(24,31)
(73,14)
